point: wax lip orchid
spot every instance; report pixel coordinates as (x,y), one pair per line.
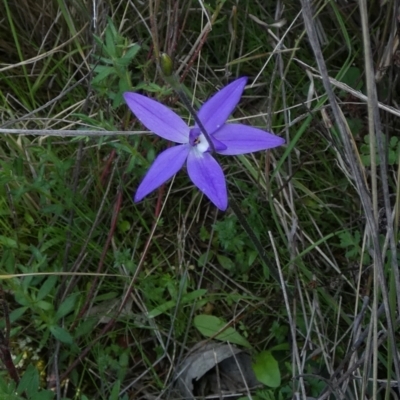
(193,147)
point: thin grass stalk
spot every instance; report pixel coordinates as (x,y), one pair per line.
(257,244)
(374,127)
(373,106)
(153,9)
(297,364)
(369,76)
(68,132)
(100,266)
(193,308)
(391,233)
(371,94)
(347,88)
(61,292)
(397,205)
(52,101)
(71,26)
(125,297)
(19,50)
(356,173)
(292,323)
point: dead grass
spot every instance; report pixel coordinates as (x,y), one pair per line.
(328,224)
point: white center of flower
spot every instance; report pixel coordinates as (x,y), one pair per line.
(201,143)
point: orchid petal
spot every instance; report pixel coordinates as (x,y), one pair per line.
(207,175)
(218,146)
(215,111)
(158,118)
(167,164)
(242,139)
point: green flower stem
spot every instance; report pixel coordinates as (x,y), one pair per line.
(257,244)
(172,80)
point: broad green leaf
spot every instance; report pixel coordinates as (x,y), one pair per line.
(248,398)
(66,306)
(85,327)
(61,334)
(225,262)
(129,56)
(266,369)
(98,41)
(47,287)
(110,41)
(44,305)
(7,242)
(22,298)
(103,72)
(17,313)
(29,381)
(44,395)
(12,397)
(115,390)
(205,258)
(209,325)
(6,386)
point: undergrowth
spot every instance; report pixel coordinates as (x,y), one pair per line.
(103,298)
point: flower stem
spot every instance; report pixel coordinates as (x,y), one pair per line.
(172,79)
(257,244)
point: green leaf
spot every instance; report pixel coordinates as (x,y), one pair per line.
(22,298)
(103,72)
(56,209)
(280,347)
(7,387)
(29,381)
(352,77)
(17,313)
(61,334)
(115,391)
(85,327)
(110,40)
(129,56)
(209,325)
(187,298)
(44,305)
(7,242)
(253,397)
(124,226)
(267,370)
(205,258)
(66,306)
(47,287)
(43,395)
(98,41)
(225,262)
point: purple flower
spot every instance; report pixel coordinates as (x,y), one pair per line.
(203,169)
